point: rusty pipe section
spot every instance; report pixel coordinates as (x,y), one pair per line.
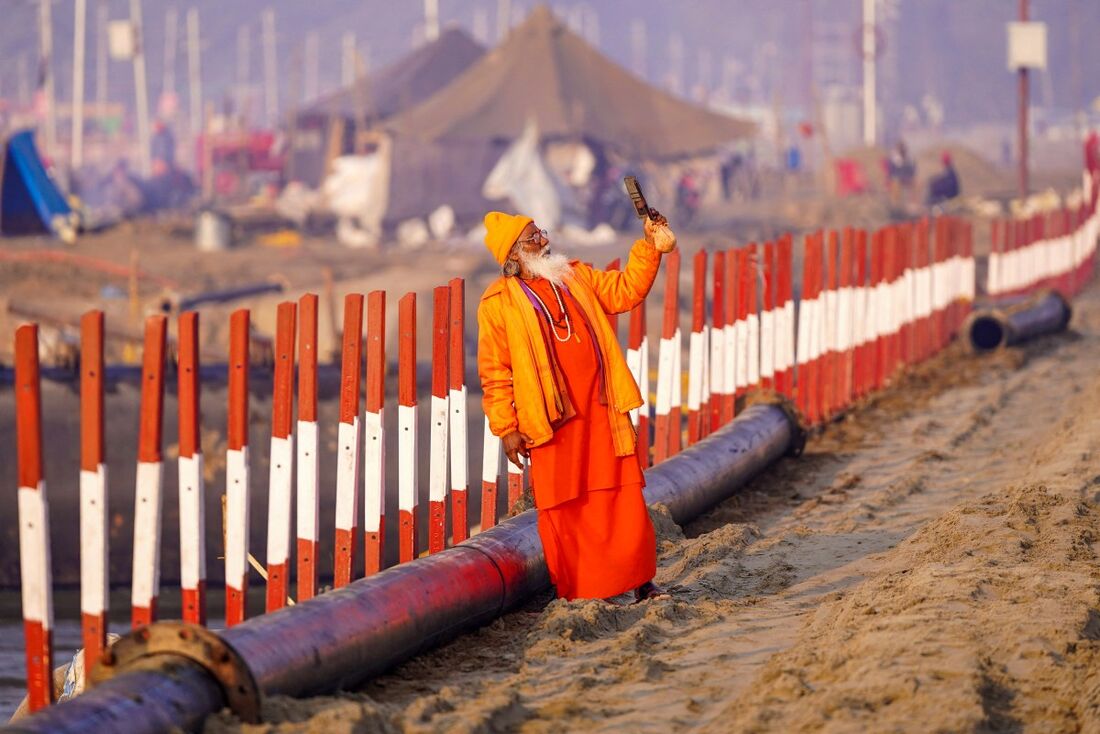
(993,328)
(342,638)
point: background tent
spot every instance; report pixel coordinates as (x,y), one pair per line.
(327,127)
(545,72)
(30,202)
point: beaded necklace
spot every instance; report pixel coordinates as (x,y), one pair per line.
(546,312)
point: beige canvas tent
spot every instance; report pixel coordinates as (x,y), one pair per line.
(328,126)
(545,72)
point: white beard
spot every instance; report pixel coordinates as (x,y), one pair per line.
(553,266)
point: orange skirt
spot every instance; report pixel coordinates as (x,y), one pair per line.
(600,544)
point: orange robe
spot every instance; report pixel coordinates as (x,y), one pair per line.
(592,518)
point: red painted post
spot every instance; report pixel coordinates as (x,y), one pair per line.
(637,356)
(718,367)
(830,372)
(308,444)
(878,312)
(192,495)
(237,471)
(490,477)
(862,316)
(439,420)
(697,351)
(94,516)
(374,435)
(767,319)
(347,443)
(845,317)
(460,458)
(280,488)
(751,314)
(735,361)
(149,487)
(34,523)
(785,325)
(666,423)
(408,483)
(806,320)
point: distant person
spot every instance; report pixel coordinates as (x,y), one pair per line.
(556,389)
(162,149)
(944,185)
(688,196)
(901,171)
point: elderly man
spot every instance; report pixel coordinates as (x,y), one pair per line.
(557,390)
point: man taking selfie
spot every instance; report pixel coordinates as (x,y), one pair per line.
(556,389)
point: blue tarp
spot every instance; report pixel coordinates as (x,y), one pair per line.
(30,202)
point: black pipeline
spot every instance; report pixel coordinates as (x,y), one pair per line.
(992,328)
(341,638)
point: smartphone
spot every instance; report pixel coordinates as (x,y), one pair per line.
(641,208)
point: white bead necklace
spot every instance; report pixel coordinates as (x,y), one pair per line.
(549,319)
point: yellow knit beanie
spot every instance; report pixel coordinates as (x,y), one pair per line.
(501,232)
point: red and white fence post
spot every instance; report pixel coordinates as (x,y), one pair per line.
(192,493)
(879,310)
(751,315)
(810,331)
(439,421)
(767,319)
(348,439)
(307,446)
(637,359)
(784,317)
(407,485)
(848,294)
(830,370)
(34,523)
(718,348)
(94,517)
(734,360)
(280,488)
(667,419)
(861,319)
(490,477)
(374,436)
(460,473)
(698,356)
(149,490)
(237,472)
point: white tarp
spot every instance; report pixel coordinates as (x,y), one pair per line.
(521,176)
(357,192)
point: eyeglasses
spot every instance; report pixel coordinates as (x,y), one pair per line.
(536,238)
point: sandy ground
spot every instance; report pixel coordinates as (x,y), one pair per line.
(928,565)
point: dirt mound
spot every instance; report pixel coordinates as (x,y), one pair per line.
(987,615)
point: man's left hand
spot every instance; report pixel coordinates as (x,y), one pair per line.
(658,233)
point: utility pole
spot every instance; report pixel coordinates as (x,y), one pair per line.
(23,85)
(171,43)
(504,18)
(140,87)
(271,77)
(101,56)
(45,71)
(347,61)
(431,20)
(194,71)
(244,72)
(870,79)
(80,16)
(1022,114)
(311,82)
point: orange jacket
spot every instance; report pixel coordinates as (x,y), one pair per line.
(517,378)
